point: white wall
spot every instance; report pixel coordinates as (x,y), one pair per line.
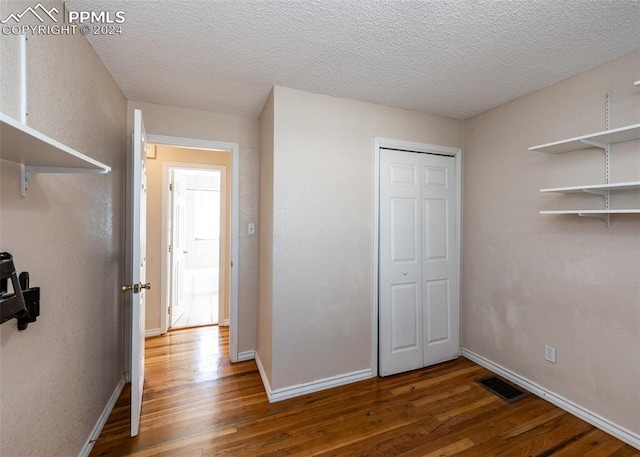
(322,228)
(530,279)
(264,346)
(204,125)
(57,375)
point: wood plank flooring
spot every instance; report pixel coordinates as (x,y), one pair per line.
(196,403)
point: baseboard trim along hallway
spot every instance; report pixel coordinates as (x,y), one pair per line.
(95,433)
(284,393)
(583,413)
(246,355)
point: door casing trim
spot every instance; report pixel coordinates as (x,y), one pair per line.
(235,211)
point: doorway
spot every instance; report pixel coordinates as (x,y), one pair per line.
(416,255)
(197,230)
(188,152)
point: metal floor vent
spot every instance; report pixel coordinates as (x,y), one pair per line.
(506,390)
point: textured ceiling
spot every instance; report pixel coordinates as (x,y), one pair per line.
(454,58)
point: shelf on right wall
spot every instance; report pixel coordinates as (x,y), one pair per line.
(602,140)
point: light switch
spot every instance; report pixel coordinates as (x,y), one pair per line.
(251,229)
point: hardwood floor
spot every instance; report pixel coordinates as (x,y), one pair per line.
(196,403)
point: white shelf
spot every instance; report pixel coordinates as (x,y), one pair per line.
(594,212)
(38,153)
(596,187)
(600,139)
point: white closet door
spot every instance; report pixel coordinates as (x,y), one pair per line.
(439,270)
(401,335)
(418,279)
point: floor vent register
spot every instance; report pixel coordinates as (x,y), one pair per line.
(502,388)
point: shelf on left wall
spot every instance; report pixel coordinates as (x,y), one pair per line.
(39,153)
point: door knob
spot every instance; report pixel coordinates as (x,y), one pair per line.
(405,272)
(134,287)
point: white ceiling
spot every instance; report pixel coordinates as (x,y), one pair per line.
(456,58)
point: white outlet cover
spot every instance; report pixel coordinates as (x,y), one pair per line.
(550,353)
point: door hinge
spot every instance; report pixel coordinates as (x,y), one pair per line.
(171,248)
(171,187)
(169,310)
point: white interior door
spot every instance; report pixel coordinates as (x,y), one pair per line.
(418,301)
(138,267)
(178,246)
(440,303)
(400,263)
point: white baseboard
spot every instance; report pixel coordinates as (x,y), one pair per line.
(263,376)
(298,390)
(246,355)
(152,332)
(95,433)
(633,439)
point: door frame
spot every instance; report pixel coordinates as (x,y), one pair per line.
(234,226)
(165,296)
(409,146)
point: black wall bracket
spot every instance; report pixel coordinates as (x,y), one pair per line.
(22,302)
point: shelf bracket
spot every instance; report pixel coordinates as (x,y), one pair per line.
(604,193)
(604,217)
(607,150)
(27,172)
(595,144)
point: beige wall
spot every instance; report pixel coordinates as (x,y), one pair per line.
(530,279)
(155,170)
(265,270)
(57,376)
(186,123)
(322,228)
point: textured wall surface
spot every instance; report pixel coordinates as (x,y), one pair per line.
(323,227)
(155,170)
(164,120)
(530,279)
(57,376)
(265,271)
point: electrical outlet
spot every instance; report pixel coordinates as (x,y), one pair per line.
(549,353)
(251,229)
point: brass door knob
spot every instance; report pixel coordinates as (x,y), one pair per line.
(146,286)
(127,288)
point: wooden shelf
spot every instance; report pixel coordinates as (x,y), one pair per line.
(38,153)
(600,139)
(595,188)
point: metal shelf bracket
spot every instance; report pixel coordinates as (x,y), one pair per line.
(27,172)
(606,148)
(602,192)
(604,217)
(595,144)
